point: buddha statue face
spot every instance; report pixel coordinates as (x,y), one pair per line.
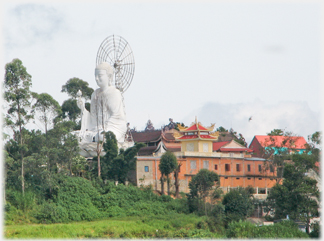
(104,73)
(102,78)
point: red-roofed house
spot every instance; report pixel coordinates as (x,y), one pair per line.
(276,144)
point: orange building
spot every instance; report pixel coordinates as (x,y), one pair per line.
(196,147)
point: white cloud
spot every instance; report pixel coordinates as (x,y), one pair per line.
(295,117)
(32,23)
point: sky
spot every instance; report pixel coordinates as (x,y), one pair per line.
(219,61)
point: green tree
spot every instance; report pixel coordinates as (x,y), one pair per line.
(69,107)
(298,195)
(238,204)
(70,110)
(49,154)
(116,166)
(168,164)
(201,185)
(73,85)
(238,137)
(176,180)
(79,165)
(17,95)
(314,145)
(221,129)
(276,132)
(48,109)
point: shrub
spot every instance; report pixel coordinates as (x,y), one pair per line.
(21,201)
(244,229)
(238,205)
(52,213)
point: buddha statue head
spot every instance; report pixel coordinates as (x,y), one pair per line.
(104,75)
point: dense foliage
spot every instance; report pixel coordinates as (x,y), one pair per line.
(77,199)
(238,204)
(285,229)
(47,181)
(298,195)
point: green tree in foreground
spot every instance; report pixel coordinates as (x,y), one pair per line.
(298,196)
(201,185)
(238,204)
(168,164)
(17,95)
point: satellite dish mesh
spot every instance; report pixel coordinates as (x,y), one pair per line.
(116,51)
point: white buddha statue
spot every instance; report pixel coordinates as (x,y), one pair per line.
(106,111)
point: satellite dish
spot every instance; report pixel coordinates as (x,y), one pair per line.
(116,51)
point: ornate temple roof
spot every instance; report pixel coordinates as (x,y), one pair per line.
(196,131)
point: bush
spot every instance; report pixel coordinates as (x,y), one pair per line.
(24,202)
(244,229)
(77,196)
(238,205)
(52,213)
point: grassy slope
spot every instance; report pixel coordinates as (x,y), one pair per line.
(130,227)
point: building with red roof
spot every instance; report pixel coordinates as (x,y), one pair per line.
(197,147)
(265,145)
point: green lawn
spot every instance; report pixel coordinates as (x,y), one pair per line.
(181,226)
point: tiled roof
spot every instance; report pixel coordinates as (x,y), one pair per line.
(147,150)
(172,146)
(295,142)
(218,145)
(186,137)
(208,137)
(146,136)
(168,136)
(235,149)
(194,128)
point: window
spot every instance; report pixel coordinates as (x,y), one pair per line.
(216,167)
(238,167)
(206,165)
(205,147)
(193,165)
(249,167)
(262,191)
(226,177)
(231,154)
(260,168)
(146,169)
(190,147)
(271,168)
(237,178)
(227,167)
(260,178)
(249,178)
